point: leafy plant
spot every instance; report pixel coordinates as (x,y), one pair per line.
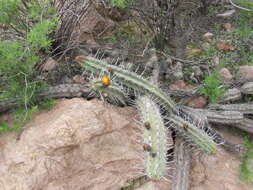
(4,128)
(30,24)
(20,118)
(212,88)
(244,3)
(47,104)
(120,3)
(38,35)
(246,169)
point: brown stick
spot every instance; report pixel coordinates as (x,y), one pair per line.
(245,108)
(60,91)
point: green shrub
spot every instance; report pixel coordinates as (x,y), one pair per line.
(38,35)
(246,169)
(4,128)
(20,118)
(8,11)
(120,3)
(212,88)
(47,104)
(30,24)
(245,3)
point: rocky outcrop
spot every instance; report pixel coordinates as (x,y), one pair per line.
(78,145)
(89,145)
(218,171)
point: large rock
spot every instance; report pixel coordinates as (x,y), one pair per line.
(225,75)
(220,170)
(246,72)
(80,23)
(93,23)
(87,145)
(49,65)
(198,102)
(77,145)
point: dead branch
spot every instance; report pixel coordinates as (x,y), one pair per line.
(182,159)
(60,91)
(229,118)
(244,108)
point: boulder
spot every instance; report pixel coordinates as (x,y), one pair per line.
(246,72)
(225,75)
(220,170)
(78,144)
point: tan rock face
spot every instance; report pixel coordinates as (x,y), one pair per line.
(225,75)
(86,145)
(180,85)
(198,102)
(218,171)
(49,65)
(79,145)
(93,23)
(246,72)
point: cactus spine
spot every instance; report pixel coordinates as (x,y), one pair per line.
(154,137)
(193,133)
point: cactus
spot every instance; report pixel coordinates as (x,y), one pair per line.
(189,130)
(111,92)
(129,79)
(195,134)
(154,137)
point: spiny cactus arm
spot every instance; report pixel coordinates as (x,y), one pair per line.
(130,79)
(155,137)
(112,92)
(196,135)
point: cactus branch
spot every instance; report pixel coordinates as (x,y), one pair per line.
(129,79)
(191,132)
(154,137)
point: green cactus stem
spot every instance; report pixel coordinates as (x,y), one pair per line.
(131,80)
(195,134)
(112,93)
(154,137)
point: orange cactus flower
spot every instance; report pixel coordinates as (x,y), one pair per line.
(105,81)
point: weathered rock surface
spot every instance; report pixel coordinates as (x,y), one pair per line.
(225,75)
(93,23)
(79,145)
(246,72)
(180,85)
(49,65)
(197,102)
(218,171)
(86,145)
